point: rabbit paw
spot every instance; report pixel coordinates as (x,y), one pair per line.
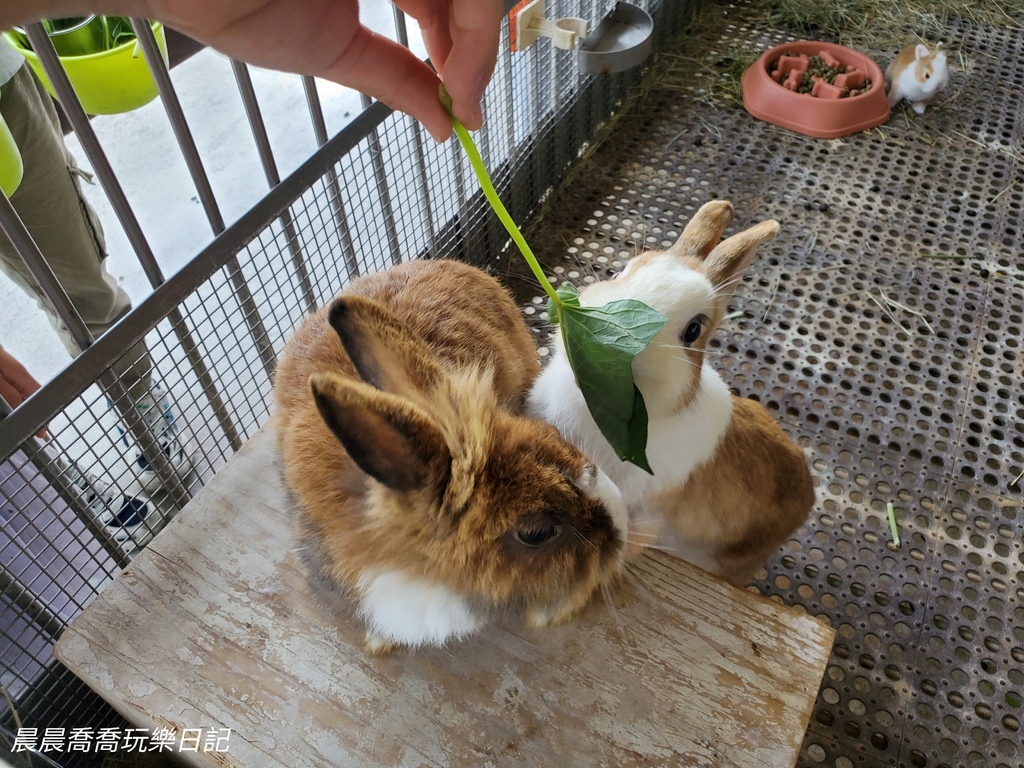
(378,645)
(553,616)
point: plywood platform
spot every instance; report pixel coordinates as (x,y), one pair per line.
(214,626)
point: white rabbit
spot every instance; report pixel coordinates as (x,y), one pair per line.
(728,486)
(917,74)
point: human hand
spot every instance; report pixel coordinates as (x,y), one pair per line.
(324,38)
(462,41)
(16,383)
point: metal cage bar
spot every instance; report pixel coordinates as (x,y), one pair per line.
(119,201)
(80,122)
(31,604)
(59,482)
(316,114)
(417,145)
(189,151)
(381,177)
(266,152)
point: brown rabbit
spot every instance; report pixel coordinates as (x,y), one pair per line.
(428,496)
(728,485)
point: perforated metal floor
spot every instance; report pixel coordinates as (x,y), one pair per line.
(924,411)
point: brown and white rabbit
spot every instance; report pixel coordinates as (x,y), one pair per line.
(728,485)
(917,74)
(425,491)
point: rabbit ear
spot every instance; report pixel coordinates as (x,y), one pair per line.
(390,438)
(385,353)
(704,230)
(732,256)
(921,51)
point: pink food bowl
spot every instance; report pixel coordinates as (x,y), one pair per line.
(825,113)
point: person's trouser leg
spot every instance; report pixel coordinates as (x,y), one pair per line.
(64,226)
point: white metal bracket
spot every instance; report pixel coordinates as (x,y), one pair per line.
(529,25)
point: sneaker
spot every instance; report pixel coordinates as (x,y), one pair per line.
(123,515)
(156,409)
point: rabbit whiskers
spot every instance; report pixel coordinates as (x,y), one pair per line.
(582,538)
(632,576)
(726,287)
(613,611)
(712,352)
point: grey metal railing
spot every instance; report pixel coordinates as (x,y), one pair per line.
(36,263)
(316,114)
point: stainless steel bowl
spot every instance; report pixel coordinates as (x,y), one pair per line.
(87,35)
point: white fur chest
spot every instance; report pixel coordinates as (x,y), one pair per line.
(403,611)
(908,86)
(676,444)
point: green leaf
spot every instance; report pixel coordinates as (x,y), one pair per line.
(119,31)
(601,343)
(636,449)
(567,296)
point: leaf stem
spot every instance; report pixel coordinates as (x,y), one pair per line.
(480,170)
(891,514)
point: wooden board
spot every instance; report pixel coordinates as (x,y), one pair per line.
(214,626)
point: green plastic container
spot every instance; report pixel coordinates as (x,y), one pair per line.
(109,82)
(11,167)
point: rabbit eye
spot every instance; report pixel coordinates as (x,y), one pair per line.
(534,536)
(693,331)
(927,75)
